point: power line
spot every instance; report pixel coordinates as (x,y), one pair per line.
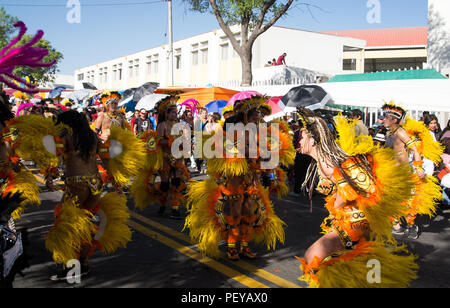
(84,5)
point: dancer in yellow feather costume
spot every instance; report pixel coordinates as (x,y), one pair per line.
(160,162)
(233,205)
(14,178)
(85,220)
(364,188)
(409,137)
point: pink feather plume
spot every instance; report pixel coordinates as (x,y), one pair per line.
(25,55)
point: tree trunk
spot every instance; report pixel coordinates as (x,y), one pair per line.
(246,61)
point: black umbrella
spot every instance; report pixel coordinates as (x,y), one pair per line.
(128,93)
(308,96)
(144,90)
(89,86)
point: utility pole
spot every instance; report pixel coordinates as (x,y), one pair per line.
(170,44)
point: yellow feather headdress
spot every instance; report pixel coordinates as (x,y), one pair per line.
(109,97)
(394,110)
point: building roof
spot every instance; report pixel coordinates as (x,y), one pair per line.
(412,36)
(395,75)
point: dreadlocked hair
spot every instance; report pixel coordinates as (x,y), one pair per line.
(5,112)
(327,147)
(84,139)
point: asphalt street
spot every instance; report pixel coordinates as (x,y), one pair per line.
(161,256)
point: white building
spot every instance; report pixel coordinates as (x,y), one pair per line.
(209,59)
(439,35)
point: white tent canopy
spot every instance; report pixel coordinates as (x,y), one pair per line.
(413,94)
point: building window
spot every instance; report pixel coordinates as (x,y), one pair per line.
(155,63)
(224,51)
(178,58)
(204,51)
(80,77)
(149,65)
(130,69)
(194,54)
(194,57)
(119,72)
(349,65)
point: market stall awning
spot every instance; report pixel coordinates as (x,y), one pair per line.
(207,95)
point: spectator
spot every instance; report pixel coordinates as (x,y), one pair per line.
(444,172)
(380,137)
(360,128)
(269,63)
(282,59)
(424,114)
(151,117)
(446,132)
(142,124)
(213,123)
(274,62)
(133,120)
(379,124)
(432,124)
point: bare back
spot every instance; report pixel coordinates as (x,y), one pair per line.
(75,165)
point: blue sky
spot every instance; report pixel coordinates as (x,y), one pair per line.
(108,32)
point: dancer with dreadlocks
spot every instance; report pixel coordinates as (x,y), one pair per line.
(410,137)
(364,188)
(85,220)
(232,205)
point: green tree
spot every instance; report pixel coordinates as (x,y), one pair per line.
(254,16)
(39,75)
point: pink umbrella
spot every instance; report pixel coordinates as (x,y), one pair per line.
(241,96)
(273,102)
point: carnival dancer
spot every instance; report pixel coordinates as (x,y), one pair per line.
(111,116)
(173,174)
(18,186)
(363,188)
(85,220)
(232,205)
(410,138)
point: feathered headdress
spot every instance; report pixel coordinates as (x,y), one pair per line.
(25,55)
(20,95)
(192,105)
(108,97)
(166,104)
(394,110)
(227,111)
(255,102)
